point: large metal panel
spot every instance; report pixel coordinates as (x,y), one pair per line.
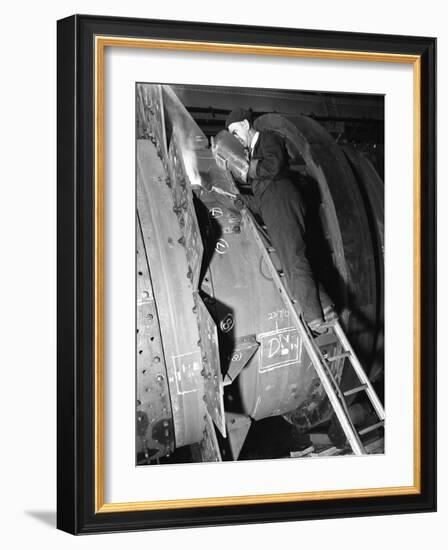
(151,118)
(173,291)
(173,220)
(211,365)
(183,208)
(155,434)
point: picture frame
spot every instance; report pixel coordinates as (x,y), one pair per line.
(82,42)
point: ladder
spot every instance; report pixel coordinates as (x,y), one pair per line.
(322,364)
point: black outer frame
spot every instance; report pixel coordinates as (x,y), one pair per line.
(75,310)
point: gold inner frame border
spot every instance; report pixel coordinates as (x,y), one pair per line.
(100,43)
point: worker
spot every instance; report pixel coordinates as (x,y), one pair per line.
(279,203)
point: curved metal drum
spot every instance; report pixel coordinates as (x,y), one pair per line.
(155,434)
(372,189)
(252,318)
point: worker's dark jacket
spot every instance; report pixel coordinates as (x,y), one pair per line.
(279,203)
(269,162)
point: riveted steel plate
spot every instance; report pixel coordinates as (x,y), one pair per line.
(155,434)
(211,366)
(173,294)
(151,118)
(184,209)
(207,450)
(245,347)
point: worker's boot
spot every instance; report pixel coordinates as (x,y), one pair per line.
(330,314)
(318,326)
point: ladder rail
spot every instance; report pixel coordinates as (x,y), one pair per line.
(357,367)
(337,401)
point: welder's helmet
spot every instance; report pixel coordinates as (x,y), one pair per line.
(237,115)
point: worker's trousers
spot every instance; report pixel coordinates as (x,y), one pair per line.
(282,209)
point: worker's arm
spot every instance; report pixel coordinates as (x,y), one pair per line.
(274,159)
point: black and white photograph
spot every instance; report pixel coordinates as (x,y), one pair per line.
(259,274)
(223,266)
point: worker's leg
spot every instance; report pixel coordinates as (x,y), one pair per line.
(283,212)
(253,203)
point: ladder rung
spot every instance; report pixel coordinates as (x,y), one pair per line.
(355,390)
(340,356)
(371,428)
(281,274)
(270,249)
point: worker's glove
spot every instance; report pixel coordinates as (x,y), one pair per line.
(213,146)
(318,326)
(240,176)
